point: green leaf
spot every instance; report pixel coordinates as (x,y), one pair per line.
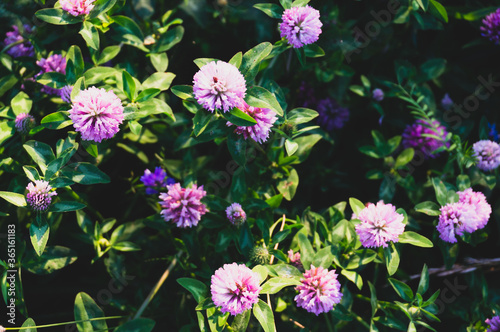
(108,54)
(101,7)
(90,35)
(13,198)
(129,87)
(354,277)
(200,121)
(237,148)
(198,289)
(137,325)
(31,172)
(85,173)
(159,61)
(85,309)
(52,79)
(391,256)
(200,62)
(125,246)
(373,298)
(147,94)
(313,51)
(260,97)
(29,323)
(129,26)
(77,87)
(356,205)
(404,291)
(160,81)
(183,91)
(56,120)
(240,322)
(236,59)
(135,127)
(423,284)
(438,10)
(264,315)
(429,208)
(291,146)
(433,68)
(270,9)
(57,16)
(288,186)
(66,206)
(169,39)
(286,4)
(98,74)
(21,103)
(41,153)
(274,285)
(440,190)
(91,148)
(53,259)
(239,118)
(306,251)
(422,5)
(39,235)
(463,182)
(323,258)
(7,82)
(301,115)
(251,61)
(415,239)
(404,157)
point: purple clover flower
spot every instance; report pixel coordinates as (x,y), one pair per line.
(331,115)
(259,132)
(469,214)
(24,122)
(491,26)
(295,259)
(418,137)
(77,7)
(487,154)
(156,180)
(183,205)
(39,195)
(236,214)
(219,84)
(96,114)
(300,26)
(235,288)
(24,48)
(493,134)
(65,93)
(378,94)
(319,292)
(446,102)
(494,324)
(379,225)
(54,63)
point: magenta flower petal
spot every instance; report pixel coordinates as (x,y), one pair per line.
(96,114)
(54,63)
(259,132)
(219,84)
(183,205)
(235,288)
(379,225)
(331,115)
(295,259)
(417,136)
(491,26)
(156,180)
(77,7)
(319,292)
(24,48)
(24,122)
(481,209)
(39,195)
(494,324)
(300,26)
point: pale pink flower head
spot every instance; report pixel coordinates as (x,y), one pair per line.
(96,114)
(320,290)
(183,205)
(77,7)
(379,225)
(259,132)
(39,195)
(494,324)
(481,209)
(236,214)
(487,154)
(24,48)
(301,26)
(455,219)
(295,259)
(235,288)
(24,122)
(220,85)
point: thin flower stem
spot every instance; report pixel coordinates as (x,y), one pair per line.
(61,324)
(328,323)
(276,245)
(158,285)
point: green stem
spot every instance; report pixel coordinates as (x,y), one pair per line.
(328,323)
(158,285)
(61,324)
